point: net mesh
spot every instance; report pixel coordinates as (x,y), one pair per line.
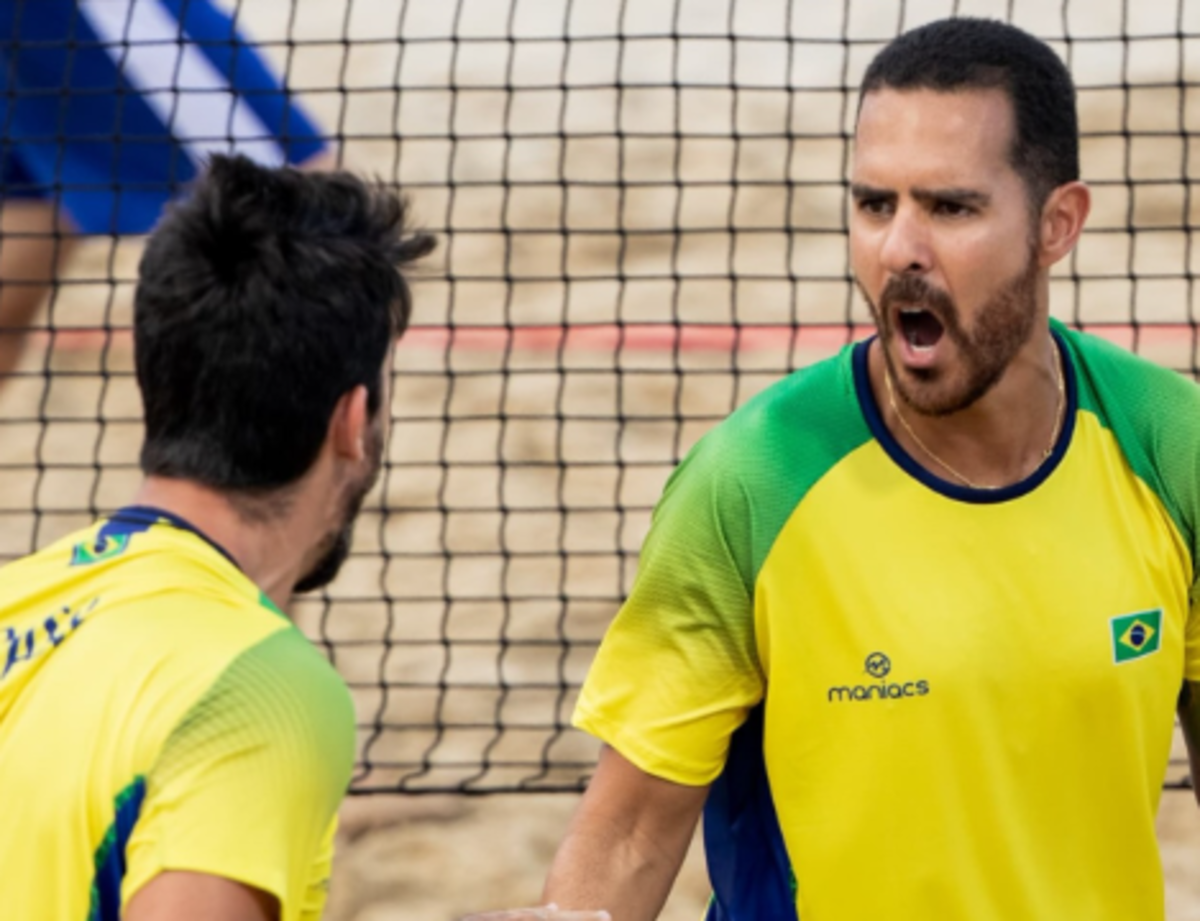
(642,211)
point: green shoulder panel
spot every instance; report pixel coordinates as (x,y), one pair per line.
(742,481)
(1154,414)
(723,508)
(281,695)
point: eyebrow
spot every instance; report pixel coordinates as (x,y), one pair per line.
(859,191)
(972,197)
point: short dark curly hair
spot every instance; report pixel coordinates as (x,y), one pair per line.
(966,53)
(263,297)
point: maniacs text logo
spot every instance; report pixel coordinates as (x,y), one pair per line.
(1136,635)
(879,666)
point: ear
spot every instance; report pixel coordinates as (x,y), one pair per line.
(1062,220)
(349,423)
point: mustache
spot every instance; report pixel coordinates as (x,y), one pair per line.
(912,289)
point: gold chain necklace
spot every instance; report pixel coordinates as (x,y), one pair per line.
(1059,414)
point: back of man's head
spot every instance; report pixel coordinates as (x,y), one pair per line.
(953,55)
(262,298)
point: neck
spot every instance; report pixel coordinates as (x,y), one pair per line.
(1002,438)
(264,547)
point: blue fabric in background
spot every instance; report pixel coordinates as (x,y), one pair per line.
(75,127)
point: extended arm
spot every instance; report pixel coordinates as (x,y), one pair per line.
(626,842)
(1189,719)
(183,896)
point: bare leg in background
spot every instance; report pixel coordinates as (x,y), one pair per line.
(34,242)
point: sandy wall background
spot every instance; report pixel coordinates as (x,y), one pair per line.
(663,180)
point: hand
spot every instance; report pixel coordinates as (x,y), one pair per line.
(545,913)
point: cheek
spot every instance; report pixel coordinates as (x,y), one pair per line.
(864,262)
(978,265)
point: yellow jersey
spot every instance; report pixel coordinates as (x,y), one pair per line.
(917,700)
(158,713)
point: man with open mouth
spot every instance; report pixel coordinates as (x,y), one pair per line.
(911,627)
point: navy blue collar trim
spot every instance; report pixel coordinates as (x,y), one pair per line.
(147,515)
(874,420)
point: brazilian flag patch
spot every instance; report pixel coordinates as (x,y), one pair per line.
(104,549)
(1136,635)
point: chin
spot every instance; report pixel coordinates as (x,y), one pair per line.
(933,393)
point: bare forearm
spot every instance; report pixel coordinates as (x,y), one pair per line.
(626,842)
(180,895)
(602,865)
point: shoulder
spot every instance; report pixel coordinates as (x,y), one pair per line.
(229,681)
(804,423)
(251,775)
(743,479)
(1114,380)
(31,574)
(278,692)
(1153,413)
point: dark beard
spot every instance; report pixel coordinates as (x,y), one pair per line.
(334,553)
(335,549)
(1004,326)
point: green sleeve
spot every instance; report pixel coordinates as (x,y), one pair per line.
(248,784)
(1154,413)
(682,663)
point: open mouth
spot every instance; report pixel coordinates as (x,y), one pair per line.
(920,328)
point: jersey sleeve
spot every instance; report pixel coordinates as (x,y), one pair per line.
(317,891)
(1154,413)
(678,670)
(1175,443)
(247,785)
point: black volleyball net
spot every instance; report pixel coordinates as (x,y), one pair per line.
(642,214)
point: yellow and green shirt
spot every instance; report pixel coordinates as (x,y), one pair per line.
(158,713)
(916,700)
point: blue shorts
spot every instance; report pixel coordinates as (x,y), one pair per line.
(109,106)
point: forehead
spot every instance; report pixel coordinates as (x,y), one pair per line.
(908,137)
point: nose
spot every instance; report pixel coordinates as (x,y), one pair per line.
(906,244)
